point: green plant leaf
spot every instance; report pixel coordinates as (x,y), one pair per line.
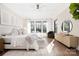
(73,10)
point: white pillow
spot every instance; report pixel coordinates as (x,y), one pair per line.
(14,32)
(29,39)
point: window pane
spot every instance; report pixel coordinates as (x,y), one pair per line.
(32,26)
(44,28)
(38,27)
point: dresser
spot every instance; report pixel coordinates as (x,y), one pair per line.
(68,40)
(1,44)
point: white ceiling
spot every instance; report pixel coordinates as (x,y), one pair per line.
(29,11)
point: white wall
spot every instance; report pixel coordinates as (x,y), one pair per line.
(9,20)
(5,29)
(65,15)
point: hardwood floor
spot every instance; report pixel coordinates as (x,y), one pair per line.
(59,50)
(3,52)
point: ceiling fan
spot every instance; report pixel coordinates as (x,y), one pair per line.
(38,6)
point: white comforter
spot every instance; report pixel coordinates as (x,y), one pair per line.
(21,42)
(18,41)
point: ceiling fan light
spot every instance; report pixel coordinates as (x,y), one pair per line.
(37,6)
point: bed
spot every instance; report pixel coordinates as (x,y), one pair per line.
(30,41)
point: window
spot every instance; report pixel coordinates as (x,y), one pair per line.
(32,26)
(44,27)
(55,26)
(38,26)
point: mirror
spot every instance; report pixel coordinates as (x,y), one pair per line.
(67,26)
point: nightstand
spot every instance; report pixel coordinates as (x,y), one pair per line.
(1,44)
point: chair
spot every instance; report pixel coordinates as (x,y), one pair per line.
(50,34)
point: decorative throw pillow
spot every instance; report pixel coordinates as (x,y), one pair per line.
(29,39)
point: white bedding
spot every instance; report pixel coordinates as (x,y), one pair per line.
(30,41)
(21,41)
(18,41)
